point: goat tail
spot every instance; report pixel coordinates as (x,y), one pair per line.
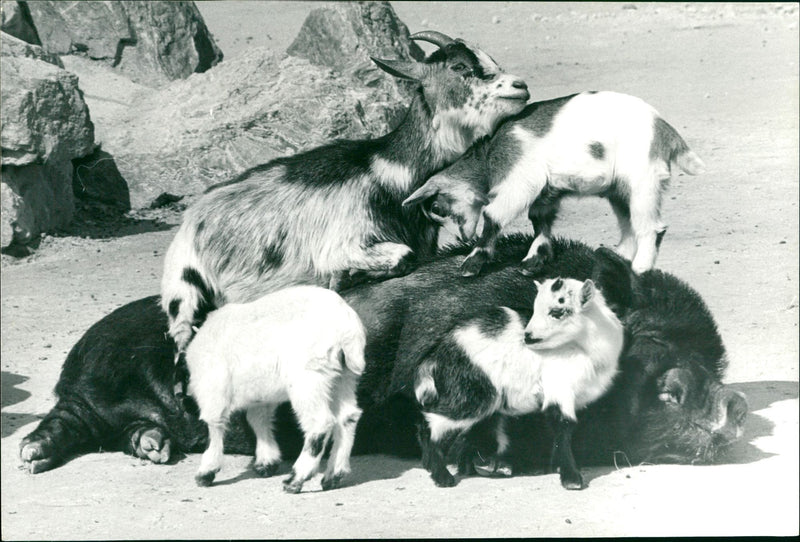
(353,348)
(187,291)
(668,145)
(424,384)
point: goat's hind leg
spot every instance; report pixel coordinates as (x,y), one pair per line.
(268,453)
(344,432)
(311,404)
(379,261)
(542,214)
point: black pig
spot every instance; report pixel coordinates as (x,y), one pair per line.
(667,404)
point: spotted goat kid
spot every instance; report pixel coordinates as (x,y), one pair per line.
(332,215)
(564,359)
(590,144)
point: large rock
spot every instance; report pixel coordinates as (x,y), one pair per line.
(45,124)
(15,19)
(343,35)
(13,46)
(211,126)
(44,116)
(35,199)
(153,43)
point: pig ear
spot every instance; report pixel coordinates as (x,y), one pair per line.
(614,277)
(403,69)
(424,192)
(587,291)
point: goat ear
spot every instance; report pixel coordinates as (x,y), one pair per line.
(422,193)
(400,68)
(480,199)
(538,284)
(587,291)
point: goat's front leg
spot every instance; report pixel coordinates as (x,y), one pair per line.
(484,248)
(434,446)
(562,457)
(379,261)
(542,217)
(513,196)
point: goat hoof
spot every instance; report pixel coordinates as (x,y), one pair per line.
(572,482)
(531,266)
(204,479)
(444,479)
(472,266)
(332,482)
(295,486)
(266,470)
(494,468)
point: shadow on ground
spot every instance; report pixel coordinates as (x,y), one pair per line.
(10,394)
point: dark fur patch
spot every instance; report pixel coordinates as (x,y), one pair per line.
(493,322)
(174,307)
(316,444)
(597,150)
(206,302)
(557,285)
(272,256)
(538,117)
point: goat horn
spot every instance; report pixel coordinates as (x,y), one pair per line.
(431,36)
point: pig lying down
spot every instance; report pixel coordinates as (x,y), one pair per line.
(666,404)
(590,144)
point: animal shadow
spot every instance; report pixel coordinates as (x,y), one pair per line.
(10,394)
(760,395)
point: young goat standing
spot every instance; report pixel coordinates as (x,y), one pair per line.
(564,359)
(321,215)
(302,344)
(594,143)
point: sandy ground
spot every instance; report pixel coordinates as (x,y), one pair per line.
(725,75)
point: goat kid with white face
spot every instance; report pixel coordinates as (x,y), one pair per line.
(334,214)
(494,366)
(590,144)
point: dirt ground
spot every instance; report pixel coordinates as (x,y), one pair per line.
(725,75)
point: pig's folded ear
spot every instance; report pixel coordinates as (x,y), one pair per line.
(613,276)
(424,192)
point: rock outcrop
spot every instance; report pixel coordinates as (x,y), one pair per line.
(246,111)
(152,42)
(45,124)
(343,36)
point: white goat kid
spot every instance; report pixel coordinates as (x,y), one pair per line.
(302,344)
(334,214)
(564,359)
(590,144)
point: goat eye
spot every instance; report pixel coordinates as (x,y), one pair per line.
(459,68)
(436,209)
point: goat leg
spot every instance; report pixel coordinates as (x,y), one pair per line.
(562,457)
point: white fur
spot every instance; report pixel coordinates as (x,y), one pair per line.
(569,375)
(284,346)
(561,158)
